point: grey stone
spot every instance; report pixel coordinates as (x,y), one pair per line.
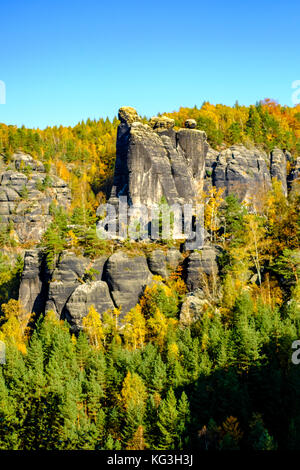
(243,172)
(156,161)
(173,258)
(128,115)
(190,124)
(31,287)
(161,122)
(83,297)
(23,204)
(278,167)
(157,263)
(294,176)
(126,277)
(64,279)
(199,263)
(24,160)
(193,307)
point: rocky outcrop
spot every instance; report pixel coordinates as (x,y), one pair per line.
(294,176)
(278,168)
(64,279)
(32,291)
(83,297)
(77,282)
(126,277)
(155,161)
(193,307)
(26,193)
(163,263)
(200,264)
(210,164)
(243,172)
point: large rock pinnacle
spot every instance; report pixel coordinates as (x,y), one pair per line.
(155,160)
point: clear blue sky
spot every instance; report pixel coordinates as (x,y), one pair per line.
(64,61)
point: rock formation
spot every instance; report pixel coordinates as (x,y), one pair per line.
(278,167)
(32,288)
(294,176)
(155,161)
(243,172)
(118,281)
(83,297)
(26,193)
(200,263)
(126,277)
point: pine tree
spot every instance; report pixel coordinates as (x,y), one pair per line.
(167,422)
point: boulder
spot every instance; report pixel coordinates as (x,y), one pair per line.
(157,263)
(163,263)
(127,115)
(161,122)
(173,259)
(190,124)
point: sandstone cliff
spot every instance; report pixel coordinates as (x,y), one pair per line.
(26,194)
(155,160)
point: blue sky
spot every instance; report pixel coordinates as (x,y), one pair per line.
(64,61)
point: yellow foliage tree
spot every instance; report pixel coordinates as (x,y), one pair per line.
(213,202)
(15,323)
(173,351)
(157,328)
(133,391)
(92,324)
(134,330)
(111,326)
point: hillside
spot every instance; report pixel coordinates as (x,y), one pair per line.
(134,343)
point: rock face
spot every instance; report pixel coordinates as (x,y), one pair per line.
(193,307)
(278,168)
(155,161)
(243,172)
(126,277)
(32,290)
(77,282)
(163,263)
(64,280)
(294,177)
(26,193)
(91,293)
(210,164)
(199,263)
